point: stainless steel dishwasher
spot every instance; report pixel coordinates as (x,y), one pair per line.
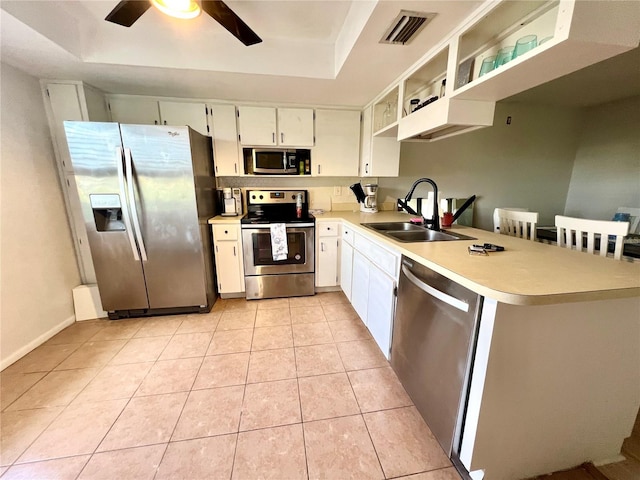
(434,338)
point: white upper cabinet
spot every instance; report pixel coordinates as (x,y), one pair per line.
(150,111)
(337,148)
(257,125)
(380,155)
(225,140)
(64,104)
(134,110)
(295,127)
(181,113)
(268,126)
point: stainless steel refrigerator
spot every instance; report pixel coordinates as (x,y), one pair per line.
(146,192)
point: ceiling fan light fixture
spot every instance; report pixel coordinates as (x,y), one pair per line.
(185,9)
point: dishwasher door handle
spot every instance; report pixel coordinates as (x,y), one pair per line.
(434,292)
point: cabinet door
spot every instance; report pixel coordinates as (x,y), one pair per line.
(96,105)
(380,308)
(380,156)
(225,140)
(327,262)
(79,230)
(346,268)
(229,271)
(360,285)
(65,105)
(295,127)
(365,150)
(337,148)
(133,110)
(180,113)
(257,125)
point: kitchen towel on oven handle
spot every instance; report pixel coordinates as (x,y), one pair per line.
(279,247)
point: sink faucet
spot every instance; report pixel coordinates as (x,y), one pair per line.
(434,222)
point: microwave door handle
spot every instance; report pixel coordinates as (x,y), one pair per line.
(123,204)
(132,199)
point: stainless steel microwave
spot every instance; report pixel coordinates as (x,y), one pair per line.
(273,161)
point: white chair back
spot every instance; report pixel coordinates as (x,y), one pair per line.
(569,226)
(517,223)
(496,218)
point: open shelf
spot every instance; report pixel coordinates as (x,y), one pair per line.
(426,81)
(385,113)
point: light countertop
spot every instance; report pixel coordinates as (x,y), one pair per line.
(526,273)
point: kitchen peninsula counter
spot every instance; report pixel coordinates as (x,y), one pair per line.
(526,273)
(556,373)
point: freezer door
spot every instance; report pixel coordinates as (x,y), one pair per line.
(96,155)
(166,212)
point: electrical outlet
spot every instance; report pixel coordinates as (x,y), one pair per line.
(337,191)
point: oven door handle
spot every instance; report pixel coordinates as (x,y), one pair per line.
(266,226)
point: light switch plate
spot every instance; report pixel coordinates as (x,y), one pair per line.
(337,191)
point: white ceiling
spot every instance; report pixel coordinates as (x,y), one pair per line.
(317,52)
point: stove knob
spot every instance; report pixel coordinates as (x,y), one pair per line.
(261,197)
(253,197)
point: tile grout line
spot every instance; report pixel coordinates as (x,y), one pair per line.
(304,442)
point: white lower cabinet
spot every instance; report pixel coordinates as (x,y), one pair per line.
(327,255)
(227,245)
(372,286)
(360,285)
(346,262)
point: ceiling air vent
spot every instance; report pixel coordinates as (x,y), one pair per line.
(406,26)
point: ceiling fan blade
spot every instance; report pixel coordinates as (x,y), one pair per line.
(127,12)
(232,22)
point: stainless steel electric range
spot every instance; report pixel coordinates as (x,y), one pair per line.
(294,275)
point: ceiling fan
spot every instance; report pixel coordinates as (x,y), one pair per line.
(128,11)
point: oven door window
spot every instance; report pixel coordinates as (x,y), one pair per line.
(262,254)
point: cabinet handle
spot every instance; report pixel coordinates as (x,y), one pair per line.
(155,122)
(235,168)
(273,137)
(322,246)
(216,168)
(366,168)
(318,169)
(216,248)
(281,137)
(234,250)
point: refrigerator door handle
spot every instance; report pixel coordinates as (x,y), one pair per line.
(132,199)
(123,204)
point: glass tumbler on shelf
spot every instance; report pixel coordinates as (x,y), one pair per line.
(524,44)
(488,64)
(504,55)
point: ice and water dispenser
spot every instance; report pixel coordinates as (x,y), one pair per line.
(107,212)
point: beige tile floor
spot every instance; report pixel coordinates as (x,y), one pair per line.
(275,389)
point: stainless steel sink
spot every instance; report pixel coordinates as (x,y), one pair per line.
(408,232)
(393,226)
(426,235)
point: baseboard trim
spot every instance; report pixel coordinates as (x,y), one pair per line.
(21,352)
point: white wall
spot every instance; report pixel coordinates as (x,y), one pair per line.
(38,265)
(606,172)
(525,164)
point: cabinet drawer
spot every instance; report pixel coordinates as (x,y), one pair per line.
(347,235)
(225,232)
(382,258)
(327,229)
